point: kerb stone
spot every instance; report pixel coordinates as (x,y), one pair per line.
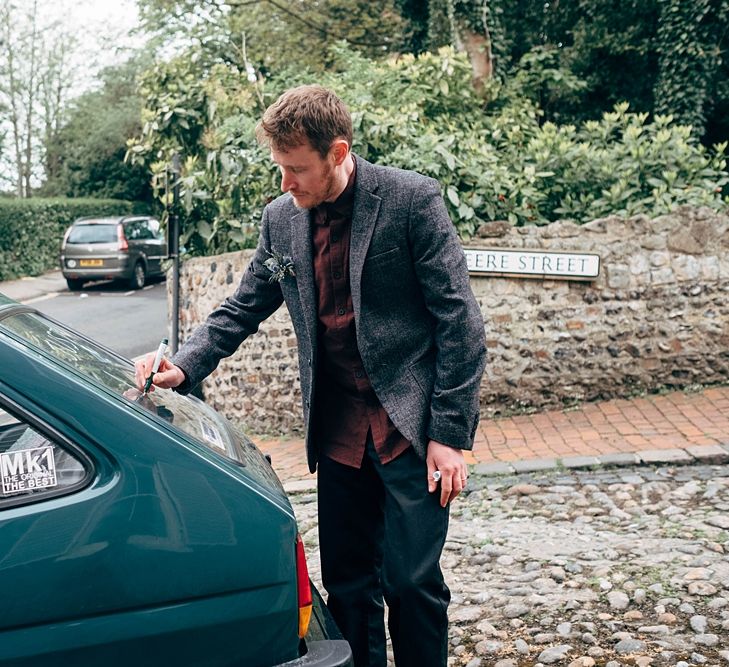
(665,456)
(498,468)
(580,461)
(300,485)
(709,453)
(535,465)
(620,459)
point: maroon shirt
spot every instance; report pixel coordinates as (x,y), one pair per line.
(346,404)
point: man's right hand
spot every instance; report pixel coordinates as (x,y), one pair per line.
(166,377)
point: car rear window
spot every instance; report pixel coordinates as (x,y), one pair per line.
(184,413)
(92,233)
(32,465)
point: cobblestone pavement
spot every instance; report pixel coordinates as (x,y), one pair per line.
(622,566)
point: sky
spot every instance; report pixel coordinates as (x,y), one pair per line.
(106,28)
(105,32)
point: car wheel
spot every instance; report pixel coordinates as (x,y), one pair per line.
(139,276)
(74,284)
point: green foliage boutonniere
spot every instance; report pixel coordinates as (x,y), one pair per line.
(279,265)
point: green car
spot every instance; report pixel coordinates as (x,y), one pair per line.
(139,530)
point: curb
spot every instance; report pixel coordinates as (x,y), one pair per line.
(711,454)
(706,454)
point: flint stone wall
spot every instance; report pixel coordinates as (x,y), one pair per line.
(657,316)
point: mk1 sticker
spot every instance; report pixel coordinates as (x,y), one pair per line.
(27,470)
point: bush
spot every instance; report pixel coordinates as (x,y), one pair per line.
(31,230)
(498,162)
(504,162)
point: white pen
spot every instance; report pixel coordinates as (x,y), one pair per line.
(155,367)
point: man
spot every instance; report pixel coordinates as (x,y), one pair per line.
(391,352)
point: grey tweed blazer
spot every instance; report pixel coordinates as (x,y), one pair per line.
(420,331)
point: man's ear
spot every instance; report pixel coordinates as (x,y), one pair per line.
(339,151)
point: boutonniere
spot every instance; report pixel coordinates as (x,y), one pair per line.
(279,265)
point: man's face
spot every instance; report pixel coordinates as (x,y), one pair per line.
(306,175)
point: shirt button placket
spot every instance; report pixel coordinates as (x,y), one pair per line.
(336,260)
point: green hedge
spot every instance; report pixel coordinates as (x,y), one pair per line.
(498,162)
(31,230)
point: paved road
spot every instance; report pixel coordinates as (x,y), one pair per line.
(129,322)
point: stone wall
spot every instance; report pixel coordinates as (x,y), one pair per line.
(657,316)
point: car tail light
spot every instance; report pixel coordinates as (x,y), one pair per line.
(123,245)
(304,588)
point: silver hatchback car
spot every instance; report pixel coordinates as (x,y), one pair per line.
(128,248)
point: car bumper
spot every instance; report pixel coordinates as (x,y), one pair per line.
(325,653)
(110,271)
(96,274)
(324,642)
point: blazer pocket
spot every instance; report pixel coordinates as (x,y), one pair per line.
(385,256)
(423,372)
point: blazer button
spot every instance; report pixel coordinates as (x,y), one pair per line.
(341,311)
(358,374)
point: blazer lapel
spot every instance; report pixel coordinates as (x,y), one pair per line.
(364,217)
(304,266)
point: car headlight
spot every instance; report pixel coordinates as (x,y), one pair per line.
(71,263)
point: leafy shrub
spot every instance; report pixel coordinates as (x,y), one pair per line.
(31,230)
(421,113)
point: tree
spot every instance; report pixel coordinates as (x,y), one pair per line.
(35,79)
(689,48)
(277,33)
(85,154)
(421,113)
(466,24)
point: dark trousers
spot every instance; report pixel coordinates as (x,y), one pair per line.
(381,534)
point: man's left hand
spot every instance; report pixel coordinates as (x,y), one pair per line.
(452,467)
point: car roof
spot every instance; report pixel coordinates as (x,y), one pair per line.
(111,220)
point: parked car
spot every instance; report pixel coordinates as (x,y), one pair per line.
(129,248)
(139,529)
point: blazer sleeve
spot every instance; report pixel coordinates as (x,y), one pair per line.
(233,321)
(440,267)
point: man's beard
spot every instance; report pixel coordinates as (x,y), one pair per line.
(327,191)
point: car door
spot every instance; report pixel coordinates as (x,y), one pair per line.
(157,245)
(45,505)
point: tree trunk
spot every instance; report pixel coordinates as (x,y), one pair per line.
(30,103)
(12,93)
(478,48)
(468,31)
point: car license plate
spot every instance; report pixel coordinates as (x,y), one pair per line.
(91,262)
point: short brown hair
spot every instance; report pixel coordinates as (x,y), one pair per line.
(306,113)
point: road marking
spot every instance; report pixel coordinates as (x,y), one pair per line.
(129,293)
(148,287)
(44,297)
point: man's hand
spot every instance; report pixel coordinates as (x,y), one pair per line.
(452,467)
(166,377)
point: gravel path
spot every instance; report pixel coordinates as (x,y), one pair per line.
(608,567)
